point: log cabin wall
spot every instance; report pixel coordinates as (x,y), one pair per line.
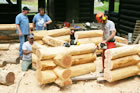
(79,10)
(129,12)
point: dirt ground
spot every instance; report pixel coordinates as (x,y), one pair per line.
(29,84)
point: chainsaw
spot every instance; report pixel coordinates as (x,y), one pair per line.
(100,46)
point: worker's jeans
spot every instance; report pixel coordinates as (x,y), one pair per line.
(22,39)
(109,45)
(26,64)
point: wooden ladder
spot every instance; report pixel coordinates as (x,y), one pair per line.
(136,33)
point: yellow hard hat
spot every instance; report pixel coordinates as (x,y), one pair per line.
(78,43)
(104,18)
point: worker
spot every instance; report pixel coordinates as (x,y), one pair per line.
(27,53)
(73,37)
(109,32)
(41,20)
(22,25)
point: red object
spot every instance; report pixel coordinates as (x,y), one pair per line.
(109,45)
(66,24)
(99,17)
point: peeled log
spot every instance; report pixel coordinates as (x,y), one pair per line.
(37,46)
(49,53)
(82,69)
(139,54)
(120,44)
(6,77)
(39,42)
(12,60)
(122,62)
(63,83)
(115,53)
(138,65)
(64,38)
(53,41)
(99,51)
(82,59)
(10,27)
(89,34)
(34,66)
(45,77)
(63,60)
(95,40)
(38,35)
(34,58)
(121,40)
(62,73)
(4,46)
(121,73)
(82,49)
(46,65)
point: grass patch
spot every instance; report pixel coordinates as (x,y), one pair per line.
(106,7)
(30,3)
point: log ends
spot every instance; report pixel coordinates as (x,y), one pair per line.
(6,77)
(63,60)
(62,73)
(10,78)
(63,83)
(45,77)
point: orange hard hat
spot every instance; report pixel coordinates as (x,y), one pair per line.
(99,17)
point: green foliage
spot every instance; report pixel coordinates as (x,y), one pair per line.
(106,7)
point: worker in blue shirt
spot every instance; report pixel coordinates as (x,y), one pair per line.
(41,20)
(22,25)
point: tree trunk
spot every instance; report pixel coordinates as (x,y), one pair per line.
(7,78)
(115,53)
(63,83)
(82,49)
(122,62)
(89,34)
(53,41)
(82,59)
(4,46)
(38,35)
(82,69)
(50,53)
(62,73)
(121,40)
(39,42)
(95,40)
(45,77)
(121,73)
(46,65)
(10,27)
(64,38)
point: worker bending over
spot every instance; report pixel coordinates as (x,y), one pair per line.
(109,32)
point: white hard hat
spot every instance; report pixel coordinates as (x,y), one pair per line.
(87,24)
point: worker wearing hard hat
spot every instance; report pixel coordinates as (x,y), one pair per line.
(109,32)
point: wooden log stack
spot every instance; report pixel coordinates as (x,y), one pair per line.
(122,62)
(59,64)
